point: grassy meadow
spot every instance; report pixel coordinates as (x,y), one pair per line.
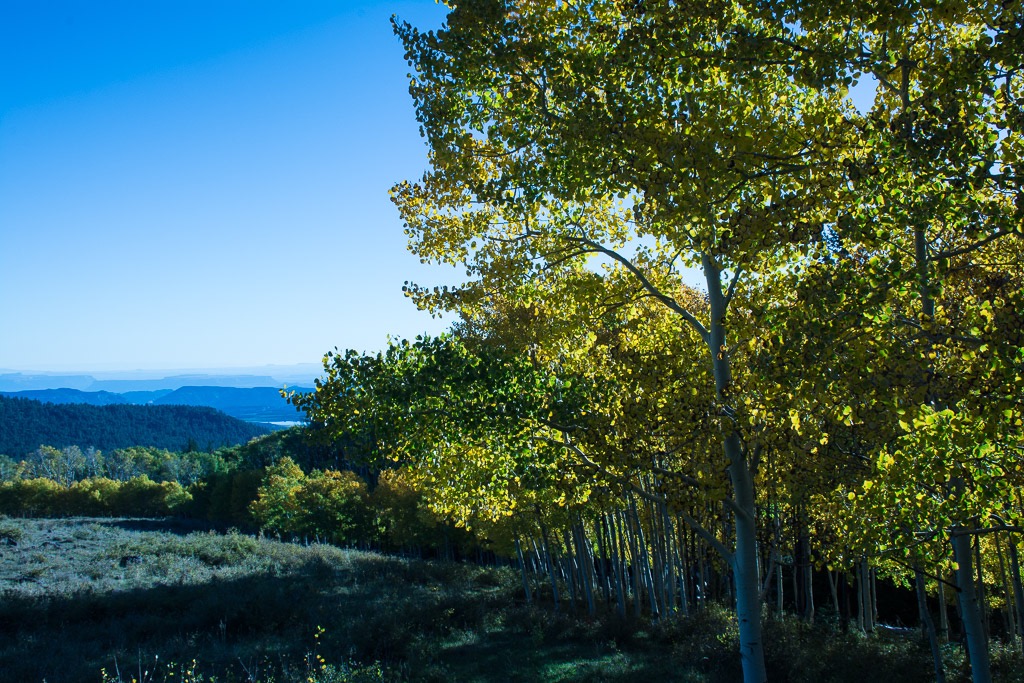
(124,599)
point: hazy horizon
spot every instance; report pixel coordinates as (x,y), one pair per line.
(112,372)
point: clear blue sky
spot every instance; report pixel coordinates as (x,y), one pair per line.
(193,184)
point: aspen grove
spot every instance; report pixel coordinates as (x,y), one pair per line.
(723,335)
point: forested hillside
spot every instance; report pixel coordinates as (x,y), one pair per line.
(253,404)
(26,424)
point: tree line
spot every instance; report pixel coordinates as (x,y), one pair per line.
(283,484)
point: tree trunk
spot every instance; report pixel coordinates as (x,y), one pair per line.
(668,534)
(865,601)
(570,571)
(645,560)
(833,588)
(928,626)
(620,565)
(970,611)
(549,561)
(748,594)
(1018,590)
(634,563)
(874,597)
(602,560)
(982,601)
(683,571)
(806,574)
(777,548)
(586,565)
(744,559)
(943,611)
(522,569)
(1008,623)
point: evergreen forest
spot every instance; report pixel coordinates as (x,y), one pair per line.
(27,424)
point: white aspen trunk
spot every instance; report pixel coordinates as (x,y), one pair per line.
(970,610)
(571,571)
(656,542)
(670,559)
(982,600)
(586,566)
(634,558)
(682,571)
(744,559)
(865,612)
(617,573)
(645,560)
(550,563)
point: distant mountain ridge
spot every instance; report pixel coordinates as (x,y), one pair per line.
(128,382)
(252,404)
(26,424)
(92,398)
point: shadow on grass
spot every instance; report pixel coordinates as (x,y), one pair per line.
(371,608)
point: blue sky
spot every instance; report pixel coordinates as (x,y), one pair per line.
(204,184)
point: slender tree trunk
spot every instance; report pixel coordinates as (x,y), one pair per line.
(550,563)
(844,602)
(744,559)
(982,600)
(748,598)
(1018,590)
(586,566)
(668,533)
(806,574)
(570,571)
(777,551)
(602,560)
(865,600)
(928,626)
(634,563)
(833,580)
(943,612)
(522,569)
(617,566)
(970,610)
(1008,622)
(861,621)
(645,560)
(874,597)
(683,571)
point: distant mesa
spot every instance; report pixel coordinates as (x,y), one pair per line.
(179,381)
(17,381)
(122,383)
